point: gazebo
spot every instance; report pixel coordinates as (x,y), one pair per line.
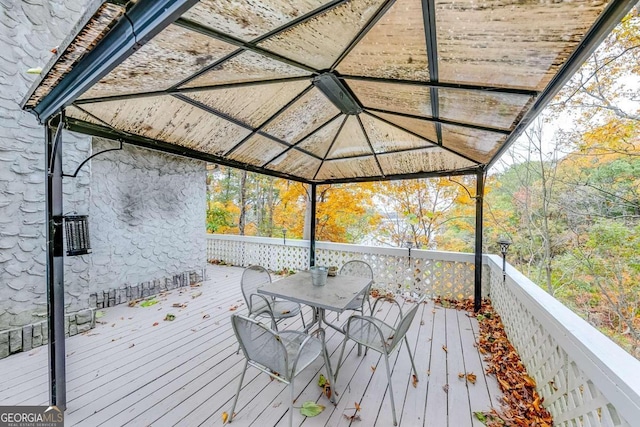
(315,91)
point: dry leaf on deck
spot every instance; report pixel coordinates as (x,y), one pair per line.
(471,377)
(444,347)
(233,308)
(357,406)
(206,316)
(131,345)
(446,388)
(414,379)
(286,311)
(225,417)
(156,324)
(373,368)
(196,295)
(460,375)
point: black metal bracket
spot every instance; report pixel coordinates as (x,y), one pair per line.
(91,157)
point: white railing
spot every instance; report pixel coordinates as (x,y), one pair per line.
(447,274)
(584,377)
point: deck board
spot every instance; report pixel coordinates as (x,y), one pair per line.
(128,372)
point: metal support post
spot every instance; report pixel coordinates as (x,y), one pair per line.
(55,267)
(312,225)
(477,289)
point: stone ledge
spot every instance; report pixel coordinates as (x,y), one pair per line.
(34,335)
(124,294)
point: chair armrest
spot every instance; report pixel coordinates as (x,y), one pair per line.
(386,299)
(266,301)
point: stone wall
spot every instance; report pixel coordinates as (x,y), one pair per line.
(28,31)
(148,213)
(147,219)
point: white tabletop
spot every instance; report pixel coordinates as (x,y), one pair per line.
(336,295)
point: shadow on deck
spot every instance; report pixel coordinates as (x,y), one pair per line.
(184,372)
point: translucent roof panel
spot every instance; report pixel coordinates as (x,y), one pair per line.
(171,56)
(385,137)
(393,97)
(303,117)
(432,159)
(257,150)
(296,163)
(252,105)
(319,142)
(246,67)
(351,141)
(169,119)
(496,110)
(349,168)
(476,144)
(424,128)
(249,19)
(514,44)
(394,48)
(319,41)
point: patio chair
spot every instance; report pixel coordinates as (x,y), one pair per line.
(254,277)
(281,355)
(360,269)
(379,336)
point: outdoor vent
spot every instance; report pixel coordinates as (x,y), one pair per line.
(77,230)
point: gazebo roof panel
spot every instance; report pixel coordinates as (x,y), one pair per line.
(250,104)
(393,97)
(169,119)
(423,128)
(297,163)
(303,117)
(431,159)
(250,19)
(256,149)
(247,66)
(497,110)
(359,167)
(385,137)
(509,43)
(321,40)
(476,144)
(171,56)
(351,141)
(319,141)
(394,48)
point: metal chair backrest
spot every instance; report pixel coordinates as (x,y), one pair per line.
(261,345)
(253,277)
(356,268)
(405,323)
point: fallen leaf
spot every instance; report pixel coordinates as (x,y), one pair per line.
(225,417)
(322,381)
(286,311)
(131,345)
(99,314)
(481,417)
(179,305)
(170,317)
(422,323)
(414,379)
(373,368)
(206,316)
(233,308)
(195,285)
(460,374)
(471,377)
(54,50)
(446,388)
(354,417)
(357,406)
(311,409)
(155,324)
(35,70)
(113,325)
(428,371)
(149,302)
(196,295)
(444,347)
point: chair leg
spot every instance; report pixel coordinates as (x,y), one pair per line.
(235,399)
(304,326)
(393,405)
(344,344)
(327,363)
(291,402)
(415,371)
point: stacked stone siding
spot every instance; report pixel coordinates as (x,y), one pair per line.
(146,209)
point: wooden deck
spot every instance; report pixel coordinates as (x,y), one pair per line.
(184,372)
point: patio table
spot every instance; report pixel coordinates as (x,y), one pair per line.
(336,295)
